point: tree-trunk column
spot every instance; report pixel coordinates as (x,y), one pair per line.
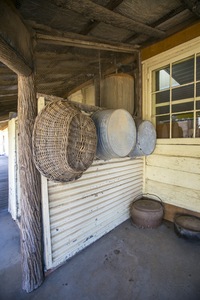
(30,191)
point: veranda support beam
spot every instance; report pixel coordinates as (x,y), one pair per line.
(81,41)
(99,13)
(16,53)
(30,223)
(13,60)
(15,41)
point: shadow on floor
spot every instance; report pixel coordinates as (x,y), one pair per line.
(126,264)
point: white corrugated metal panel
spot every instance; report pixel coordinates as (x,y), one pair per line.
(80,212)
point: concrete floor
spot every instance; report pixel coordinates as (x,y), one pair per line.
(126,264)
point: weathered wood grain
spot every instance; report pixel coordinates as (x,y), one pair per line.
(31,229)
(77,40)
(12,59)
(102,14)
(14,52)
(175,195)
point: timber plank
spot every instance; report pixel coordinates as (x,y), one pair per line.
(173,177)
(175,195)
(185,164)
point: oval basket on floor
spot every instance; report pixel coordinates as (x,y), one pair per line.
(147,213)
(188,227)
(64,142)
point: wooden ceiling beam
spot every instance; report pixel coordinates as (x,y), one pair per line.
(82,41)
(14,51)
(193,6)
(112,4)
(99,13)
(170,15)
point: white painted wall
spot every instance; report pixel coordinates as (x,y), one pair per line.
(13,176)
(4,142)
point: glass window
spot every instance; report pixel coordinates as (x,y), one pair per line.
(183,72)
(198,68)
(182,125)
(198,124)
(162,97)
(162,79)
(198,105)
(183,107)
(183,92)
(162,126)
(175,102)
(198,89)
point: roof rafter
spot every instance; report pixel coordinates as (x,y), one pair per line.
(99,13)
(112,4)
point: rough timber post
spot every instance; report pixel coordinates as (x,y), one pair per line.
(31,229)
(16,53)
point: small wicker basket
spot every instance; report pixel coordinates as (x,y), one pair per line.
(64,142)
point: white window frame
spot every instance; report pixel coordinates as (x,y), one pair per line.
(168,57)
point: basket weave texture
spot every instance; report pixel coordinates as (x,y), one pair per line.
(64,142)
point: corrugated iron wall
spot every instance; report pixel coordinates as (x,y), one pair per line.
(80,212)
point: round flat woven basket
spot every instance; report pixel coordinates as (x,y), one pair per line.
(64,142)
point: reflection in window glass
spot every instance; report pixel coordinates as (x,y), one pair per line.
(182,125)
(162,110)
(162,79)
(183,72)
(198,89)
(183,107)
(198,124)
(198,105)
(198,68)
(162,97)
(162,126)
(183,92)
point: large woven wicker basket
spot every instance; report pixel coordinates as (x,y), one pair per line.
(64,142)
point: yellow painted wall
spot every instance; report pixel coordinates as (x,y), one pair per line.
(171,41)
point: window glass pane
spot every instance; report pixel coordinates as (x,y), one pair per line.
(162,126)
(198,105)
(162,97)
(182,125)
(162,110)
(183,92)
(162,79)
(198,125)
(198,89)
(198,68)
(183,72)
(183,107)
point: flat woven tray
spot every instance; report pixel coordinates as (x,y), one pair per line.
(64,142)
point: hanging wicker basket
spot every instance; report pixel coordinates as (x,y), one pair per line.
(64,142)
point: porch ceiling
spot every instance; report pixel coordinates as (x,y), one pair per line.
(58,25)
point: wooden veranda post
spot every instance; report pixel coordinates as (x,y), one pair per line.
(16,53)
(31,232)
